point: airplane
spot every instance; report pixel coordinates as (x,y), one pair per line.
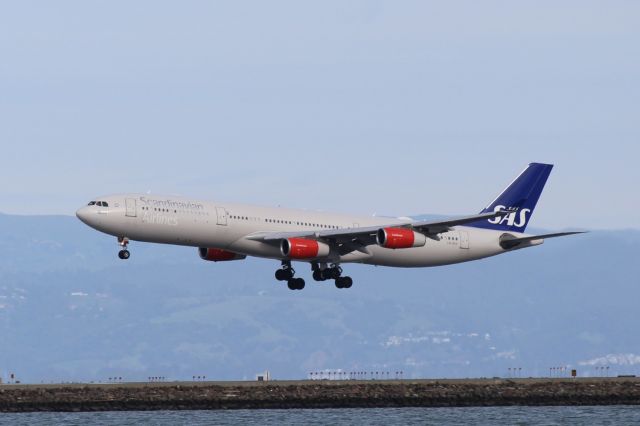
(230,231)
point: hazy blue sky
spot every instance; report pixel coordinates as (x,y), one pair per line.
(396,107)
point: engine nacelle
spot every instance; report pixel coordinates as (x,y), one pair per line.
(399,238)
(218,255)
(301,248)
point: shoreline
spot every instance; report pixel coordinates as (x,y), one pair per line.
(318,394)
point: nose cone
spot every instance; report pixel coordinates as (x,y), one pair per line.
(84,214)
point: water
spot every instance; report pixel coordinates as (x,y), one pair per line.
(614,415)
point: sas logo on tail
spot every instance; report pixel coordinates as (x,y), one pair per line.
(510,220)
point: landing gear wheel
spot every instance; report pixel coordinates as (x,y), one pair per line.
(123,242)
(318,276)
(285,274)
(344,282)
(295,284)
(347,282)
(282,275)
(331,273)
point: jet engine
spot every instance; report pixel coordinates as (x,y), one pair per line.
(399,238)
(301,248)
(218,255)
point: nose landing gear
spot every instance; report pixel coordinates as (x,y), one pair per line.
(124,243)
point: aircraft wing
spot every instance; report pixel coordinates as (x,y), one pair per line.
(367,235)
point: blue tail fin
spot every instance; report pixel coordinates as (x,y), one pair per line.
(521,197)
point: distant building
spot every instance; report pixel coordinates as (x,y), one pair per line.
(263,377)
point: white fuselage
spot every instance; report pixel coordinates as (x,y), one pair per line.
(228,226)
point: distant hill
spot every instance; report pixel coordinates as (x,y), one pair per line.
(71,310)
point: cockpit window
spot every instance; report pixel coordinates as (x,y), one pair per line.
(105,204)
(91,203)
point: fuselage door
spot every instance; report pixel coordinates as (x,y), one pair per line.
(221,212)
(131,207)
(464,239)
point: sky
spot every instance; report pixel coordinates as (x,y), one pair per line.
(392,108)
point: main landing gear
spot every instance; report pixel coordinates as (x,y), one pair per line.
(320,273)
(124,243)
(286,273)
(335,273)
(331,273)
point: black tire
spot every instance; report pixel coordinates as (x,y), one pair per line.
(281,275)
(335,273)
(347,282)
(330,274)
(317,275)
(339,282)
(126,254)
(299,284)
(120,254)
(292,284)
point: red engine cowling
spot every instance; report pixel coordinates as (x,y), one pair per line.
(218,255)
(399,238)
(301,248)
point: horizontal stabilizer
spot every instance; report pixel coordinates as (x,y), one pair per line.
(508,241)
